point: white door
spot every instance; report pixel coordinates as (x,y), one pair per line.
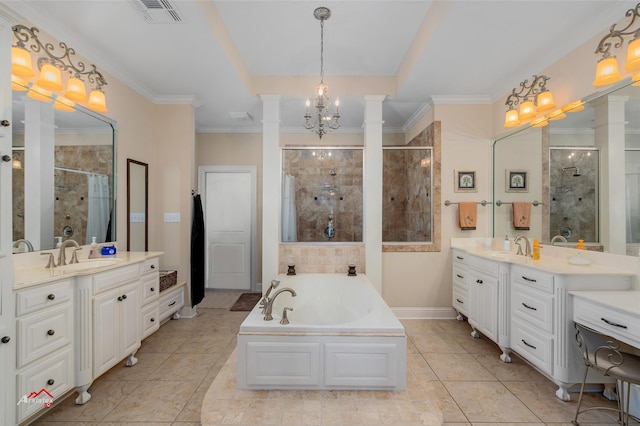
(228,215)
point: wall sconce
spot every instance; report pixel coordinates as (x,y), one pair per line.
(531,97)
(51,63)
(607,71)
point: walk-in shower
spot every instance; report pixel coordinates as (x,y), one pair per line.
(573,189)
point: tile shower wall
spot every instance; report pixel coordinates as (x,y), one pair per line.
(574,199)
(328,182)
(71,201)
(321,259)
(406,202)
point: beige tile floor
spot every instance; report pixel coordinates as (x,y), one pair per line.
(453,379)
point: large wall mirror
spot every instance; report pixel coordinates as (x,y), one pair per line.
(63,174)
(322,194)
(137,205)
(583,175)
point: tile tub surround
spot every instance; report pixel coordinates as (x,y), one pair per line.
(505,393)
(321,258)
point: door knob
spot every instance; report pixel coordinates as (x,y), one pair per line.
(5,339)
(6,158)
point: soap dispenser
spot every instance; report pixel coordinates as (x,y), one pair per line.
(506,244)
(536,250)
(93,253)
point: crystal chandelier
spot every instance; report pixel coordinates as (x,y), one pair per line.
(322,120)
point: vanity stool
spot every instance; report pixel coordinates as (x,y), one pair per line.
(606,358)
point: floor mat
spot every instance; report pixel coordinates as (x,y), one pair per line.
(246,302)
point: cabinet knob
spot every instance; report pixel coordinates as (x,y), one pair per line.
(51,296)
(119,298)
(124,296)
(50,382)
(479,281)
(5,123)
(153,289)
(153,320)
(5,339)
(51,332)
(153,266)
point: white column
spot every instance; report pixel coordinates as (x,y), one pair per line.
(271,165)
(372,214)
(39,137)
(610,139)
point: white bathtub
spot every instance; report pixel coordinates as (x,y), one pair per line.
(341,335)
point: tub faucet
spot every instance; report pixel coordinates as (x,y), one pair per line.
(17,243)
(558,237)
(62,258)
(265,299)
(527,247)
(269,306)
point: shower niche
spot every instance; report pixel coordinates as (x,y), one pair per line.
(322,194)
(573,193)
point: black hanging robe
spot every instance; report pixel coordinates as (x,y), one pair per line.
(197,252)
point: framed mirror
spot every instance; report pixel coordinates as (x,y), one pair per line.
(137,205)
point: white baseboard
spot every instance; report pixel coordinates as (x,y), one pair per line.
(424,313)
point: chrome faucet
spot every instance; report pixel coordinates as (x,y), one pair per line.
(265,299)
(17,243)
(62,258)
(269,306)
(527,249)
(558,237)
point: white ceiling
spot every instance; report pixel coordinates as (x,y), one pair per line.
(224,54)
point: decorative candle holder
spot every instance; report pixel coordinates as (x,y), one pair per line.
(291,269)
(352,270)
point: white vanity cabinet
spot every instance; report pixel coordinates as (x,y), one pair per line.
(541,323)
(45,358)
(150,279)
(486,297)
(116,327)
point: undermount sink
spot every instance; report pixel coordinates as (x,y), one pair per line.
(509,256)
(87,265)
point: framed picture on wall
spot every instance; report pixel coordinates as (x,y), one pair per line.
(516,181)
(465,181)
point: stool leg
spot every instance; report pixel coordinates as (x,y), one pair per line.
(584,379)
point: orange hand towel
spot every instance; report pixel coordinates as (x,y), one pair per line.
(521,216)
(467,216)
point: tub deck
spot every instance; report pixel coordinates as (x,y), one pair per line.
(360,345)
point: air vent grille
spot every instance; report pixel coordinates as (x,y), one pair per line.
(157,11)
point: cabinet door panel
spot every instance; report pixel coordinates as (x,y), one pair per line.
(106,347)
(130,326)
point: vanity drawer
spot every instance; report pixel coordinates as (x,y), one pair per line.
(31,300)
(150,320)
(535,346)
(149,265)
(53,374)
(171,301)
(460,300)
(460,275)
(533,306)
(150,287)
(114,278)
(607,320)
(41,333)
(532,278)
(459,257)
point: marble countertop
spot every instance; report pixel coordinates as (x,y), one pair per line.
(558,264)
(622,300)
(27,275)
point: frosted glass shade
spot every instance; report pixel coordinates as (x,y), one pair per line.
(76,90)
(97,101)
(19,84)
(511,118)
(527,110)
(50,78)
(39,94)
(545,101)
(607,72)
(64,104)
(633,56)
(556,115)
(21,64)
(574,106)
(540,122)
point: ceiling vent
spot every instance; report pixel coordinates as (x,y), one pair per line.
(157,11)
